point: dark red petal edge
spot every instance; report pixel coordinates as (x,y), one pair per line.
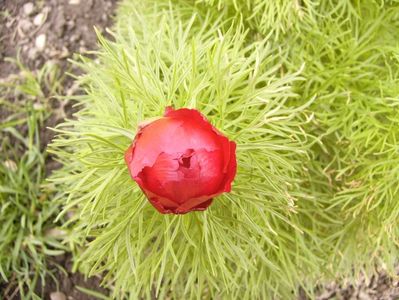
(232,167)
(129,155)
(162,204)
(129,152)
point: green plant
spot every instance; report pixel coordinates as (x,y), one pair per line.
(313,109)
(28,206)
(352,66)
(272,18)
(161,59)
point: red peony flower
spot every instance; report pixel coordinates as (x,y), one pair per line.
(181,161)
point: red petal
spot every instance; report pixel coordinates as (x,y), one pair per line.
(193,119)
(203,205)
(166,178)
(211,174)
(171,135)
(163,205)
(200,203)
(129,154)
(232,168)
(169,179)
(164,169)
(168,109)
(150,142)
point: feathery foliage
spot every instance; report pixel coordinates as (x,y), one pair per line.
(352,66)
(277,18)
(311,98)
(160,59)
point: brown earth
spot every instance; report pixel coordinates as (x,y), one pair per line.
(49,30)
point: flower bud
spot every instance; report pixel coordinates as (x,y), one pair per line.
(181,162)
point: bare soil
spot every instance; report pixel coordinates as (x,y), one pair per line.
(376,287)
(49,30)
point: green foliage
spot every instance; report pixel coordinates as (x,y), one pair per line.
(352,66)
(27,206)
(274,18)
(311,98)
(280,18)
(156,61)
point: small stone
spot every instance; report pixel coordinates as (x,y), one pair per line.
(40,42)
(57,296)
(28,8)
(32,53)
(25,25)
(71,24)
(75,37)
(363,296)
(10,165)
(38,106)
(74,2)
(64,52)
(39,19)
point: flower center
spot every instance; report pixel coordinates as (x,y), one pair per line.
(185,159)
(185,162)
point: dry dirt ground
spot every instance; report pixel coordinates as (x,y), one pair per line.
(376,287)
(41,30)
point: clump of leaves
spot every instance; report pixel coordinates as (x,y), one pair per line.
(311,101)
(162,57)
(352,67)
(28,236)
(272,18)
